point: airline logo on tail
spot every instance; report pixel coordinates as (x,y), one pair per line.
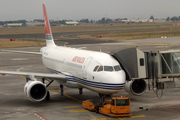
(47,26)
(49,37)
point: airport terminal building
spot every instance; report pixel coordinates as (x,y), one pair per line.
(10,25)
(70,23)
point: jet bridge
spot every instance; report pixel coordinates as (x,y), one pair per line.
(154,65)
(132,61)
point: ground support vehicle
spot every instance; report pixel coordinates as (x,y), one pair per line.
(114,107)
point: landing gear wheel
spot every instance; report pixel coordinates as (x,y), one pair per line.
(97,109)
(102,98)
(48,96)
(80,91)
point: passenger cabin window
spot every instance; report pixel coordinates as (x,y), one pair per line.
(100,69)
(117,68)
(96,68)
(108,68)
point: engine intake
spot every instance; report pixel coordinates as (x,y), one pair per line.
(35,90)
(135,87)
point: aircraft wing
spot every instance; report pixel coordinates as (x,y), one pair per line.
(59,77)
(38,53)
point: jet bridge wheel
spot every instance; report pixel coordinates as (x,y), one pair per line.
(48,96)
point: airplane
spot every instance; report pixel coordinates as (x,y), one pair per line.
(74,68)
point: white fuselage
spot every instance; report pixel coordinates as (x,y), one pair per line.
(78,67)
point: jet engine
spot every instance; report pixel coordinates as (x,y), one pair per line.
(35,90)
(135,87)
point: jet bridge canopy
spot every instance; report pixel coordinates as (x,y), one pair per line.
(132,61)
(170,63)
(139,64)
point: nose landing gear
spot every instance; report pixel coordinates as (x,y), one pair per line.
(102,98)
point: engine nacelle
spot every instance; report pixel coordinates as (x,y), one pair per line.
(35,90)
(135,87)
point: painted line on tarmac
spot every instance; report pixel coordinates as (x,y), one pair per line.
(75,111)
(165,103)
(99,119)
(153,44)
(73,107)
(120,118)
(117,118)
(168,102)
(156,44)
(22,76)
(72,98)
(7,70)
(3,69)
(40,116)
(65,95)
(14,112)
(138,116)
(53,90)
(34,113)
(168,109)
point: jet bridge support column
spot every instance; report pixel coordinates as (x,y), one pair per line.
(61,89)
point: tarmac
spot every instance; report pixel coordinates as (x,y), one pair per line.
(14,105)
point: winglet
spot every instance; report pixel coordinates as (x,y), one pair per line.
(49,37)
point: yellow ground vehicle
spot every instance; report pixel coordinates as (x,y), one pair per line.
(116,107)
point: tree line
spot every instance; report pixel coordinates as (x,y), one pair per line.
(175,18)
(102,20)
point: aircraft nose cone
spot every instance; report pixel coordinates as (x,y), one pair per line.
(118,77)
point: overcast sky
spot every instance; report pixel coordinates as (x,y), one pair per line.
(91,9)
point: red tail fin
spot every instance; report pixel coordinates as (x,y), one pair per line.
(49,37)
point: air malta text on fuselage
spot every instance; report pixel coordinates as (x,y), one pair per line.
(78,59)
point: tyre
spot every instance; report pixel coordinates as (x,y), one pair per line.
(97,109)
(48,96)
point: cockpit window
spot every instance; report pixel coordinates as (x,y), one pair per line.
(108,68)
(96,68)
(100,69)
(117,68)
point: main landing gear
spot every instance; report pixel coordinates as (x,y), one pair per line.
(61,89)
(48,94)
(80,91)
